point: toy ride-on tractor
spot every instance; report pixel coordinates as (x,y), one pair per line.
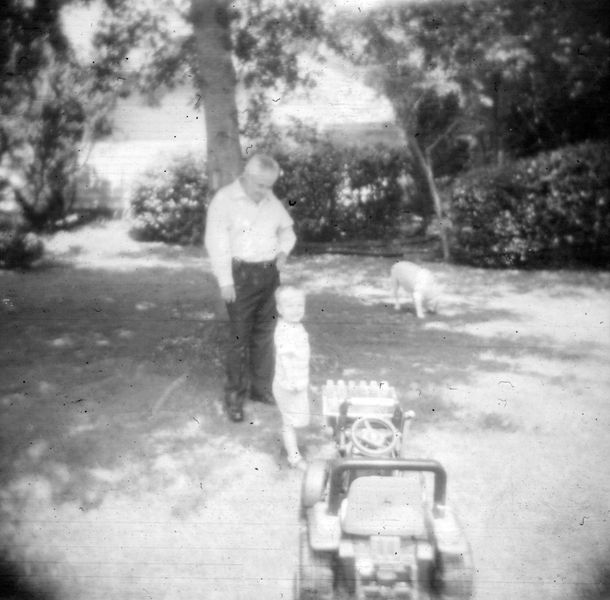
(373,523)
(368,530)
(366,418)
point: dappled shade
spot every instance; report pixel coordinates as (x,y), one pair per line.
(121,473)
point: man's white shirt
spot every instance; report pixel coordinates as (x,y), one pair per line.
(238,227)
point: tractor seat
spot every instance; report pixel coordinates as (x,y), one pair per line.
(384,505)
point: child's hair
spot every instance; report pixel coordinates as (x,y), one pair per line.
(286,292)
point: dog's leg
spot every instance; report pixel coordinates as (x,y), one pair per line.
(418,301)
(395,290)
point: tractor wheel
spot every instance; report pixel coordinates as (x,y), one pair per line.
(314,579)
(346,580)
(314,483)
(404,434)
(458,583)
(457,580)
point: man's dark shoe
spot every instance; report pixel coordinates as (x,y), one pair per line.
(235,413)
(263,398)
(234,407)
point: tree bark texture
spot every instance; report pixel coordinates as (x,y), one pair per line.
(497,119)
(423,171)
(217,82)
(424,166)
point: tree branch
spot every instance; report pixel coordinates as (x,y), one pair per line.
(442,136)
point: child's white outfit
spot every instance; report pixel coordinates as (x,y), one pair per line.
(291,380)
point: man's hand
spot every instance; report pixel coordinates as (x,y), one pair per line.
(227,293)
(280,261)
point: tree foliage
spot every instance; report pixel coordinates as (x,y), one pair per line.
(530,76)
(223,49)
(51,105)
(485,78)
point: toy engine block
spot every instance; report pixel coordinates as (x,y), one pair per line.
(365,417)
(353,399)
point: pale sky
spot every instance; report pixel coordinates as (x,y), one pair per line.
(339,96)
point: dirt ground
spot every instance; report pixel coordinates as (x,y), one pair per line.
(121,478)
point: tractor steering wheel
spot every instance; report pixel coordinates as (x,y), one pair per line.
(374,436)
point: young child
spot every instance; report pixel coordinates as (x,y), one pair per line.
(291,380)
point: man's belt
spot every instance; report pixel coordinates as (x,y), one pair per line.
(265,264)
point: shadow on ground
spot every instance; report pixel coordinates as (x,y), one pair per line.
(121,474)
(18,583)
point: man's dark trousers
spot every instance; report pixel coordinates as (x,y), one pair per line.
(250,358)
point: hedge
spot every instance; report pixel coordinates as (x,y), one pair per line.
(339,194)
(332,193)
(551,210)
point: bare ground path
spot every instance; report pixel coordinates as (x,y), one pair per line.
(122,479)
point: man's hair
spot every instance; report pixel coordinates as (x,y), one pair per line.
(264,163)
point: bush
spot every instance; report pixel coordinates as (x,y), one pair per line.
(19,248)
(332,193)
(372,197)
(552,210)
(169,205)
(343,193)
(309,186)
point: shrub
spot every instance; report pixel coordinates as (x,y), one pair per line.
(309,186)
(19,248)
(338,193)
(550,210)
(372,198)
(168,205)
(333,193)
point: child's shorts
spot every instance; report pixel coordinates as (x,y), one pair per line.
(294,406)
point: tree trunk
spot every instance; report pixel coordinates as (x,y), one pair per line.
(498,142)
(424,165)
(217,82)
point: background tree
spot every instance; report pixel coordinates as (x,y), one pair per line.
(51,108)
(508,76)
(217,82)
(562,96)
(223,49)
(531,77)
(426,105)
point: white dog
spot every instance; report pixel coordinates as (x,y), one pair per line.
(419,283)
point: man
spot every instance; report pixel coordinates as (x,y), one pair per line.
(249,234)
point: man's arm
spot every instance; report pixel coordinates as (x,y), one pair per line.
(286,239)
(218,246)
